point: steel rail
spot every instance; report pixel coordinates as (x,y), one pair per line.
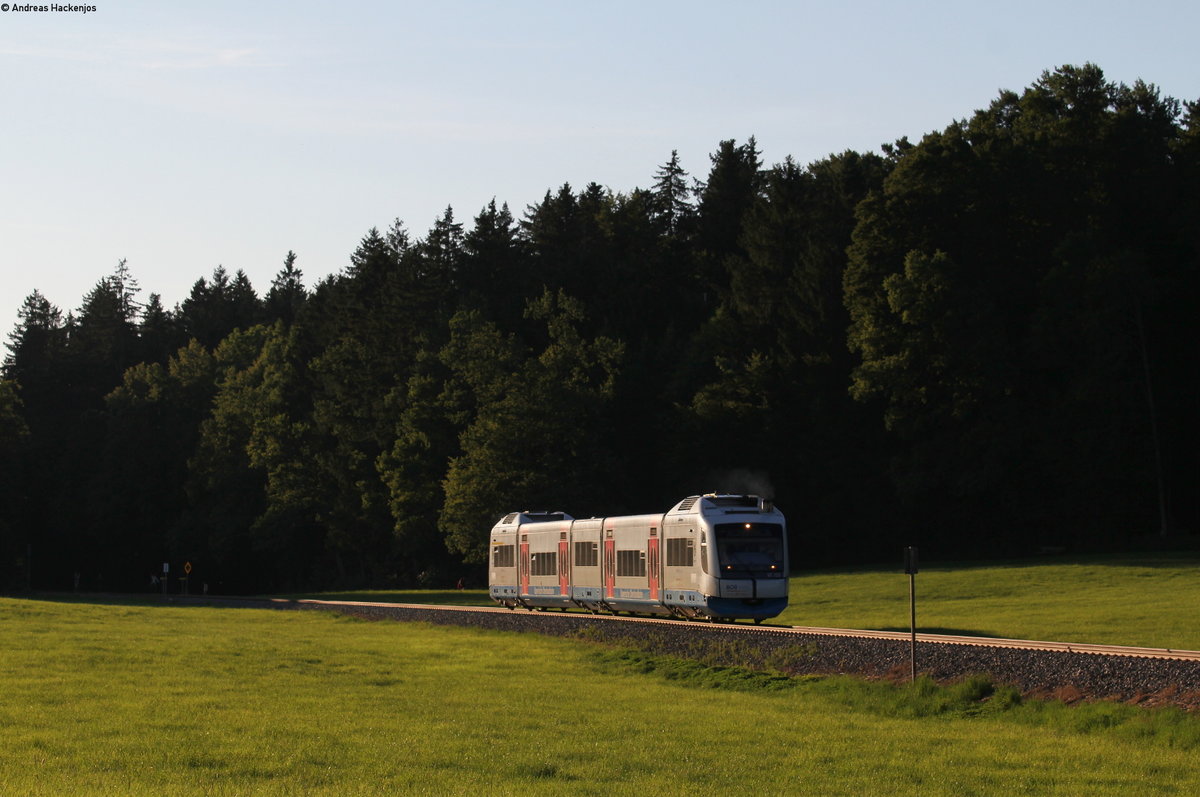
(1021,644)
(942,639)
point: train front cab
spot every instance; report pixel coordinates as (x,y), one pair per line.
(742,557)
(530,563)
(502,563)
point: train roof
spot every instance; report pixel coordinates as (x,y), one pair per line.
(707,504)
(531,516)
(729,502)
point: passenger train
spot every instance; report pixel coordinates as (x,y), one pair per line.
(717,557)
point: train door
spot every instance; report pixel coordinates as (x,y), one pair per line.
(564,573)
(652,570)
(610,563)
(524,570)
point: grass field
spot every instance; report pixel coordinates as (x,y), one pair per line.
(1147,601)
(145,699)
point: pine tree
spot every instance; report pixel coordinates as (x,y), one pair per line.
(37,341)
(672,197)
(104,341)
(287,295)
(160,332)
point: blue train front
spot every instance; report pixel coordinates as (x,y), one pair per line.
(710,556)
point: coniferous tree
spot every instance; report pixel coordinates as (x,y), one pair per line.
(568,246)
(287,295)
(160,333)
(104,339)
(726,197)
(246,308)
(673,207)
(204,312)
(494,270)
(37,345)
(216,307)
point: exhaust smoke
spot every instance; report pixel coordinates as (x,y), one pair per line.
(744,481)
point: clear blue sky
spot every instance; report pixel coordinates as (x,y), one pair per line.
(183,136)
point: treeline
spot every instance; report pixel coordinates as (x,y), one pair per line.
(984,343)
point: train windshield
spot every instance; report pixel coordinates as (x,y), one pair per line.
(748,550)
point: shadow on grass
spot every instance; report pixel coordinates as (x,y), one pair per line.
(452,597)
(936,629)
(118,599)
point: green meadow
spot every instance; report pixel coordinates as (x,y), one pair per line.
(162,699)
(1149,601)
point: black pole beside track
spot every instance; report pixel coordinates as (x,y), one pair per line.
(910,567)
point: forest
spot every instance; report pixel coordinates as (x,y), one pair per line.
(984,343)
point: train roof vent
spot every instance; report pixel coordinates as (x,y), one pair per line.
(544,517)
(509,518)
(732,500)
(687,503)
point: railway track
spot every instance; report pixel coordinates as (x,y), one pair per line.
(803,631)
(1018,644)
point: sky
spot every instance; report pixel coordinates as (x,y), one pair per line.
(185,136)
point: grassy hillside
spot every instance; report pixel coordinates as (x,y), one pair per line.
(119,699)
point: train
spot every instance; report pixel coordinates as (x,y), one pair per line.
(714,557)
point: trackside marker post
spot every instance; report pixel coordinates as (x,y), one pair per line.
(910,567)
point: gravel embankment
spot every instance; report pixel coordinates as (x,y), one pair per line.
(1055,674)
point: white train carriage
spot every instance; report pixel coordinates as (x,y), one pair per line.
(529,562)
(711,556)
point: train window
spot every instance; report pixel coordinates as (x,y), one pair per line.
(631,563)
(704,552)
(750,549)
(543,563)
(680,552)
(587,554)
(504,555)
